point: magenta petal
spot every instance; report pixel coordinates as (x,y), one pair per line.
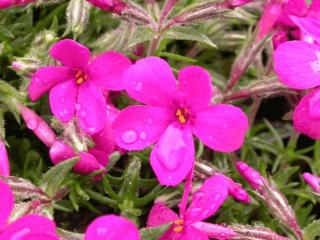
(237,191)
(173,155)
(208,199)
(40,236)
(151,81)
(101,157)
(308,26)
(4,161)
(87,164)
(221,127)
(104,140)
(306,116)
(297,60)
(112,227)
(27,225)
(60,151)
(313,181)
(70,53)
(160,214)
(45,78)
(62,99)
(137,127)
(215,231)
(196,87)
(107,70)
(192,233)
(6,203)
(91,108)
(314,9)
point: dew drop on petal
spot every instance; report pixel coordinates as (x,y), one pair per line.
(32,124)
(138,86)
(83,114)
(77,106)
(37,80)
(62,99)
(101,231)
(91,129)
(63,86)
(129,136)
(143,135)
(18,235)
(150,121)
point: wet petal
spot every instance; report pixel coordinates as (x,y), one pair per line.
(306,116)
(313,181)
(107,70)
(4,161)
(91,108)
(314,9)
(104,140)
(6,203)
(195,84)
(70,53)
(46,78)
(192,233)
(40,236)
(151,81)
(309,26)
(112,227)
(60,151)
(297,64)
(215,231)
(87,164)
(100,156)
(137,127)
(160,214)
(62,99)
(221,127)
(208,199)
(27,225)
(173,155)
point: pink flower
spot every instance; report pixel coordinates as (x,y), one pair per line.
(252,176)
(77,86)
(112,227)
(237,192)
(171,114)
(297,65)
(114,6)
(313,181)
(4,162)
(188,225)
(29,227)
(10,3)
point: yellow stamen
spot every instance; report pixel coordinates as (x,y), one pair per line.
(178,222)
(180,116)
(178,229)
(78,74)
(80,80)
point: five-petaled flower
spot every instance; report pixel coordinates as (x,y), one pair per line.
(188,225)
(171,114)
(77,86)
(29,227)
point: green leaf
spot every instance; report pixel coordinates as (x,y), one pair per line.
(154,233)
(188,33)
(52,180)
(177,57)
(141,34)
(312,230)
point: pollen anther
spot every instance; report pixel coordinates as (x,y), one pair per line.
(178,229)
(80,77)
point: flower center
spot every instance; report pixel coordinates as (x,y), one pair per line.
(81,77)
(178,226)
(183,115)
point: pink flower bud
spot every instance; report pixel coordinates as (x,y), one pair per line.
(113,6)
(4,162)
(250,175)
(39,127)
(313,181)
(237,3)
(250,232)
(60,151)
(237,192)
(11,3)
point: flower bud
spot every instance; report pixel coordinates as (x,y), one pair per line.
(39,127)
(113,6)
(250,175)
(246,232)
(4,162)
(78,16)
(237,192)
(313,181)
(11,3)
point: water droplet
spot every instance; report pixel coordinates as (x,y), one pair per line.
(150,121)
(170,177)
(138,86)
(63,86)
(195,211)
(92,129)
(129,136)
(77,106)
(62,99)
(101,231)
(143,135)
(210,137)
(83,114)
(32,124)
(37,80)
(20,234)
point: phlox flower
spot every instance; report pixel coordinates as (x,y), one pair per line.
(10,3)
(297,64)
(4,162)
(173,112)
(94,159)
(112,227)
(313,181)
(29,227)
(77,86)
(188,225)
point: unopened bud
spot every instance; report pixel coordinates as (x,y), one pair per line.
(12,3)
(216,231)
(313,181)
(246,232)
(238,192)
(112,6)
(26,66)
(39,127)
(252,176)
(78,12)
